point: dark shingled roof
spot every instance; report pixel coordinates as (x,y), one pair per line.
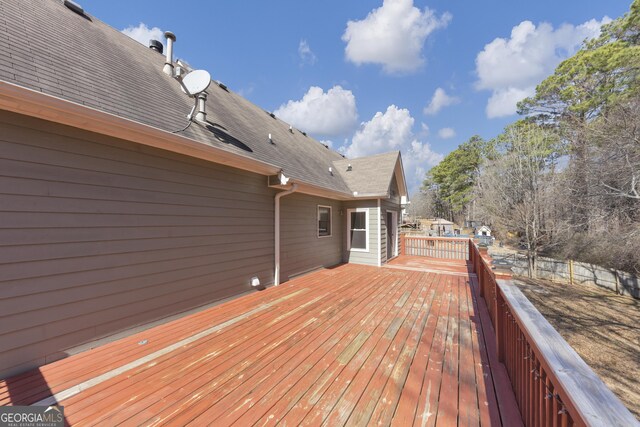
(368,175)
(49,48)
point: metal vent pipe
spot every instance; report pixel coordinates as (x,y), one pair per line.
(168,64)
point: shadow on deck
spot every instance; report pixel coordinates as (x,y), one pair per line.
(399,345)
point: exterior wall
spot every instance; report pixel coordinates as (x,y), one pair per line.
(370,257)
(101,236)
(301,250)
(390,204)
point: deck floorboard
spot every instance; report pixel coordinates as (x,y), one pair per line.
(351,345)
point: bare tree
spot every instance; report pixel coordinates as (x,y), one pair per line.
(615,139)
(422,205)
(517,190)
(612,196)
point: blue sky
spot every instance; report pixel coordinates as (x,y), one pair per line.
(373,76)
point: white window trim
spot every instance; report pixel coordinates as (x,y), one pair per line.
(394,216)
(366,221)
(318,221)
(379,236)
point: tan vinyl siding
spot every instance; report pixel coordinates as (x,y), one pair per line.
(370,257)
(301,248)
(99,235)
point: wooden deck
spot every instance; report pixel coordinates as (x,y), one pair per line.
(352,345)
(436,265)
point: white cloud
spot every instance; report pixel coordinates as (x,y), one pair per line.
(306,54)
(384,132)
(446,133)
(143,34)
(330,114)
(392,130)
(424,129)
(439,100)
(392,35)
(417,161)
(511,68)
(503,101)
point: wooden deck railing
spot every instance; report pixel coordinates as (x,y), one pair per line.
(553,386)
(436,247)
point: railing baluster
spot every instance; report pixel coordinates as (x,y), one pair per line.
(530,383)
(556,410)
(526,383)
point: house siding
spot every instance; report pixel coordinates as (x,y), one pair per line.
(370,257)
(390,204)
(99,236)
(301,250)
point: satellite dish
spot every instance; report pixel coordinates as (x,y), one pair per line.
(196,82)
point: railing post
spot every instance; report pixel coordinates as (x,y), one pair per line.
(472,258)
(482,272)
(500,274)
(499,326)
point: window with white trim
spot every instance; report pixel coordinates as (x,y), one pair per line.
(358,220)
(324,221)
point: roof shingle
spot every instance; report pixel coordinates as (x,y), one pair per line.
(51,49)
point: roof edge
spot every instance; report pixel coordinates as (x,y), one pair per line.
(404,190)
(372,196)
(22,100)
(314,190)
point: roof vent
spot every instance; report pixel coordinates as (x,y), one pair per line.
(330,171)
(184,65)
(270,139)
(349,168)
(273,116)
(223,86)
(74,6)
(290,128)
(201,114)
(168,63)
(304,133)
(156,45)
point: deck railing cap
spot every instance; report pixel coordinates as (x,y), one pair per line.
(594,403)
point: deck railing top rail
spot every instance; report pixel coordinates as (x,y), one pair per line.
(552,384)
(583,394)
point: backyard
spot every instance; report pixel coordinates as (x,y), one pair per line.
(601,326)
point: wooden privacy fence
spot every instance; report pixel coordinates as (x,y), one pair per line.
(579,273)
(435,247)
(553,386)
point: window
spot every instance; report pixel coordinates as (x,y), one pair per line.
(359,230)
(324,221)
